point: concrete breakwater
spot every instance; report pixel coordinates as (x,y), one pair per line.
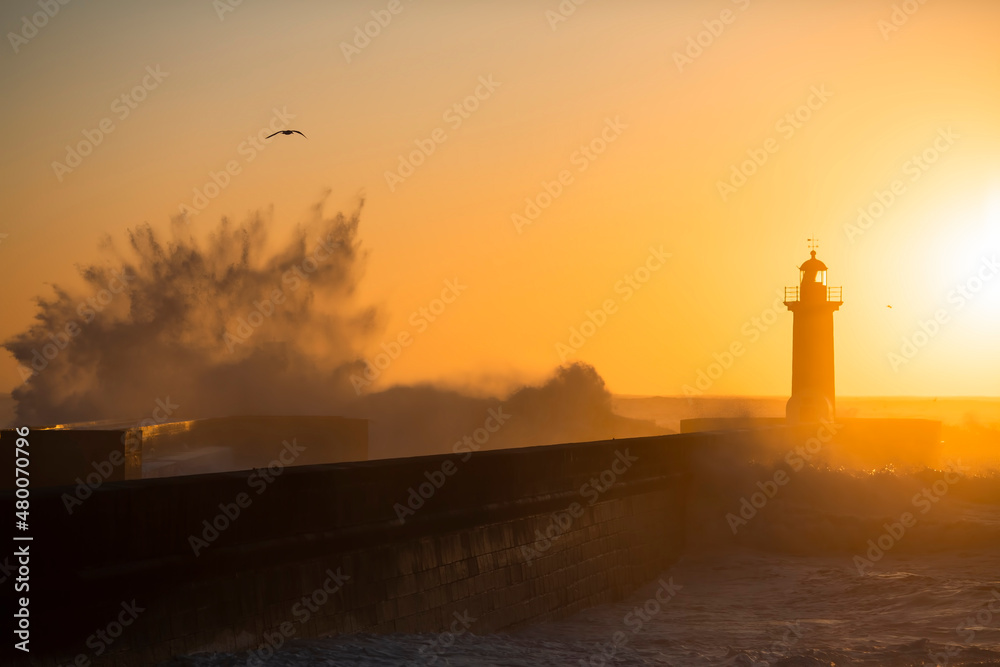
(145,570)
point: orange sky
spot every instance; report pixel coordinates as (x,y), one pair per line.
(665,132)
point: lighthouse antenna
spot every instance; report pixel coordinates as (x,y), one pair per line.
(813,243)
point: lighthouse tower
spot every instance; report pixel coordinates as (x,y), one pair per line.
(812,304)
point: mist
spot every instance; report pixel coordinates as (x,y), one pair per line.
(573,405)
(239,323)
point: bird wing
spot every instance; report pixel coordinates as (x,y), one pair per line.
(297,132)
(271,135)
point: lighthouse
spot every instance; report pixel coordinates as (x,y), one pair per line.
(812,304)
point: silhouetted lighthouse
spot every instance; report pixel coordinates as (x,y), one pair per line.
(812,304)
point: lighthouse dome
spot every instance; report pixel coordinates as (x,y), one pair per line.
(812,264)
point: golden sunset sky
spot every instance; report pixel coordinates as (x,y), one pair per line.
(841,102)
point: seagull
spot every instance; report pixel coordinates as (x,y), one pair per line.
(285,132)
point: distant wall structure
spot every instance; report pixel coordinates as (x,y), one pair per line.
(859,442)
(700,424)
(101,451)
(243,443)
(60,457)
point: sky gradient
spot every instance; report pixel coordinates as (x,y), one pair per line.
(676,183)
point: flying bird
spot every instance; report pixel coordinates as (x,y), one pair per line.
(285,132)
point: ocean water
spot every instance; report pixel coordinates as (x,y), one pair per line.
(828,571)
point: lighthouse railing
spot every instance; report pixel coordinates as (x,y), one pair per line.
(832,294)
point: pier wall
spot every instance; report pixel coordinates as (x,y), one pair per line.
(143,570)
